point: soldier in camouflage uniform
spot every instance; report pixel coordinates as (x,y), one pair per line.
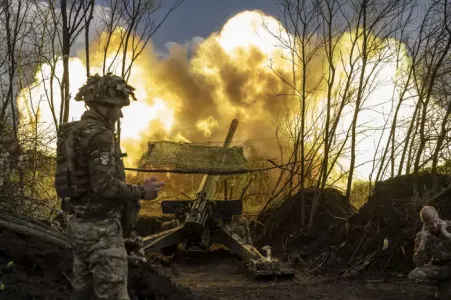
(432,253)
(100,264)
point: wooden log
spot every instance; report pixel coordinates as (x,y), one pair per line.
(25,218)
(22,222)
(29,231)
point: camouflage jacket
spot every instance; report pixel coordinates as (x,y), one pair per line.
(437,249)
(98,160)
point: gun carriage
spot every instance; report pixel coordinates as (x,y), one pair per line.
(203,221)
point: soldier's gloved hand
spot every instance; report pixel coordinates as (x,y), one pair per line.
(424,233)
(151,188)
(443,226)
(133,244)
(134,247)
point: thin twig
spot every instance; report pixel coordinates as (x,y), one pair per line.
(358,247)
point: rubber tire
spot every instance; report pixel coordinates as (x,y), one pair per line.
(168,225)
(240,231)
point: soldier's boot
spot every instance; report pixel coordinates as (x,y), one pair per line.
(443,290)
(84,294)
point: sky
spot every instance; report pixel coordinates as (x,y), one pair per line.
(202,17)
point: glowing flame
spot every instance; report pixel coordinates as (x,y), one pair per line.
(254,29)
(138,115)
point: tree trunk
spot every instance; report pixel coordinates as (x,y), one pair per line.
(66,52)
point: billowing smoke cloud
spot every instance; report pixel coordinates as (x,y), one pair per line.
(193,92)
(226,77)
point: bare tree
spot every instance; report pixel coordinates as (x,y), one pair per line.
(331,34)
(135,20)
(88,19)
(442,92)
(136,23)
(70,19)
(433,60)
(15,25)
(38,36)
(48,53)
(373,19)
(301,22)
(351,75)
(404,82)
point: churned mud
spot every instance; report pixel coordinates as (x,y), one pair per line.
(32,269)
(346,255)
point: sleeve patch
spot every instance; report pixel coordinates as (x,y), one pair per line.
(104,158)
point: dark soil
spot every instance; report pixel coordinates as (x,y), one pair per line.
(392,213)
(219,275)
(42,271)
(352,243)
(284,231)
(340,240)
(32,269)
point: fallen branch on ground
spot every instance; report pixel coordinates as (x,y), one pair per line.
(33,232)
(443,192)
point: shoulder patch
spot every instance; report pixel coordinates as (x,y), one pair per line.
(104,158)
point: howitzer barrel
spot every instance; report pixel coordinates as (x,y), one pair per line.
(208,185)
(231,133)
(200,210)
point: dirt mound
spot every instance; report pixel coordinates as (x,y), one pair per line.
(39,271)
(32,268)
(394,197)
(390,217)
(376,240)
(283,229)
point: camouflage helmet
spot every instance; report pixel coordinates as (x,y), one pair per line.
(109,89)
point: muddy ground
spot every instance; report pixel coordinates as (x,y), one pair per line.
(342,242)
(33,269)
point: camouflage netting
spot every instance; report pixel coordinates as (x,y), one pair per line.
(193,157)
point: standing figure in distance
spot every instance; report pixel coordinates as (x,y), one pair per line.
(432,253)
(90,174)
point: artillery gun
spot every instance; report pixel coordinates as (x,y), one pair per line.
(200,222)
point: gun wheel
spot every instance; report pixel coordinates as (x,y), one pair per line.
(240,221)
(168,225)
(241,227)
(170,250)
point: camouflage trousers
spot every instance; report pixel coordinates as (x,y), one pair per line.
(100,259)
(430,274)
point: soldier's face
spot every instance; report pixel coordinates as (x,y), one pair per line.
(115,113)
(433,224)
